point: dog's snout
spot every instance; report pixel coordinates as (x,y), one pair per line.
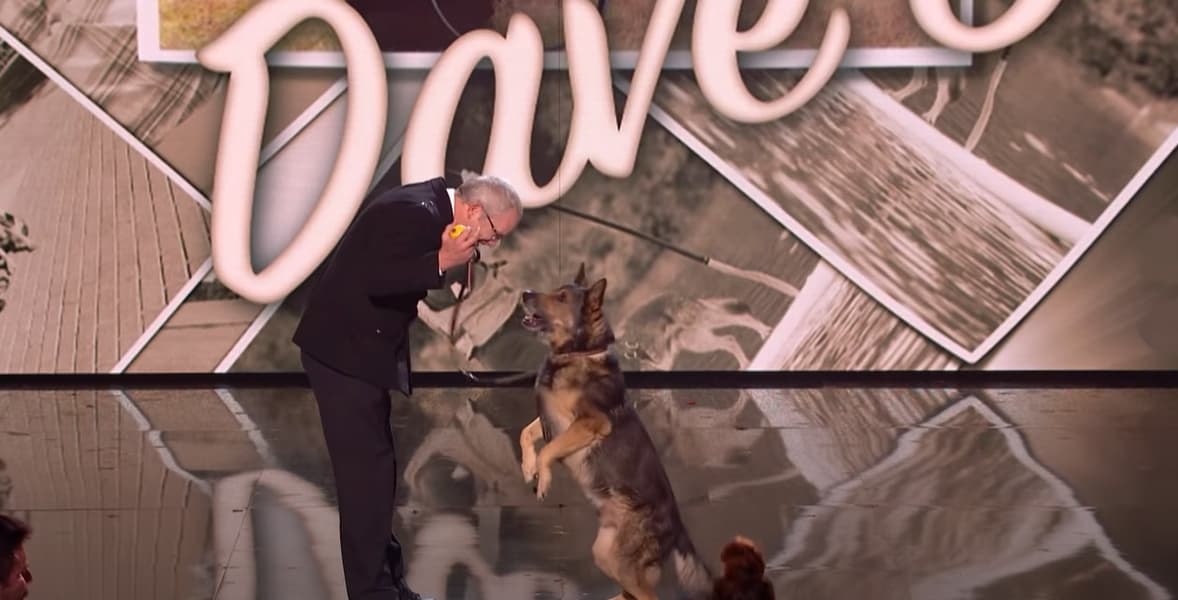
(528,296)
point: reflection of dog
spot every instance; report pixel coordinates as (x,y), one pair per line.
(669,324)
(589,425)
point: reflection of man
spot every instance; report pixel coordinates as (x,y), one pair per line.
(422,25)
(354,337)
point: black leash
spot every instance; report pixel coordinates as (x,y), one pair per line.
(708,261)
(463,294)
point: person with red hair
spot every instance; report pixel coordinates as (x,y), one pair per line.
(744,573)
(14,563)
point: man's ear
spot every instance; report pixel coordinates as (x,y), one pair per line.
(473,211)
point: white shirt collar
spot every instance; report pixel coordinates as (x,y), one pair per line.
(450,192)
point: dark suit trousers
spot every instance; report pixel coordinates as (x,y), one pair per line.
(355,417)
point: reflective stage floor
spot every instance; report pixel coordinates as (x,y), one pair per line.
(857,494)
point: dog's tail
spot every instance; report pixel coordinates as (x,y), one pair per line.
(744,573)
(694,576)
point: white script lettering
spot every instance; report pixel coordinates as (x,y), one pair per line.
(715,43)
(595,135)
(240,51)
(936,18)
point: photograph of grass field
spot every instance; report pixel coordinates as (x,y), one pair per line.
(958,203)
(412,33)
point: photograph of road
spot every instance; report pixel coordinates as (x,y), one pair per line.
(112,240)
(959,237)
(199,334)
(172,111)
(92,43)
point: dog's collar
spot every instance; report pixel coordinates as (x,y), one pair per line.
(581,354)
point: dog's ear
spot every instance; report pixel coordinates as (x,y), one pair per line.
(580,280)
(596,296)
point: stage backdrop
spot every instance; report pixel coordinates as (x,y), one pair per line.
(929,209)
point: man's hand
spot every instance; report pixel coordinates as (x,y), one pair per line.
(456,250)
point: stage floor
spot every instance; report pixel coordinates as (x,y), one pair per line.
(856,494)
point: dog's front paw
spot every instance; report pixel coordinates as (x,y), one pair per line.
(528,466)
(543,480)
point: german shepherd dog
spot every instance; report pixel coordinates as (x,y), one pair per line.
(588,424)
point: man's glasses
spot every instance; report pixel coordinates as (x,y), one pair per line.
(495,235)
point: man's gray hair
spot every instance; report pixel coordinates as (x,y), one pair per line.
(494,194)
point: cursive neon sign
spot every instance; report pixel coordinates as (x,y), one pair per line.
(595,136)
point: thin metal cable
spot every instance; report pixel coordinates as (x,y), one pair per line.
(445,21)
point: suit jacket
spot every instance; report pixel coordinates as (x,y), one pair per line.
(358,314)
(444,297)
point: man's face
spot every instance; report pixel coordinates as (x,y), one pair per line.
(489,228)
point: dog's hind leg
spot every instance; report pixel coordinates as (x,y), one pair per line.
(637,582)
(605,553)
(640,582)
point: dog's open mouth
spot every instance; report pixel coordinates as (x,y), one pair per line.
(532,322)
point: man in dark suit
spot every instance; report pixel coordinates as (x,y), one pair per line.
(354,337)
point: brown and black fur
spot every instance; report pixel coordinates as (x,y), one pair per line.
(744,573)
(589,426)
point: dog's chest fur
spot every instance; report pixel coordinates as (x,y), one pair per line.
(565,392)
(557,412)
